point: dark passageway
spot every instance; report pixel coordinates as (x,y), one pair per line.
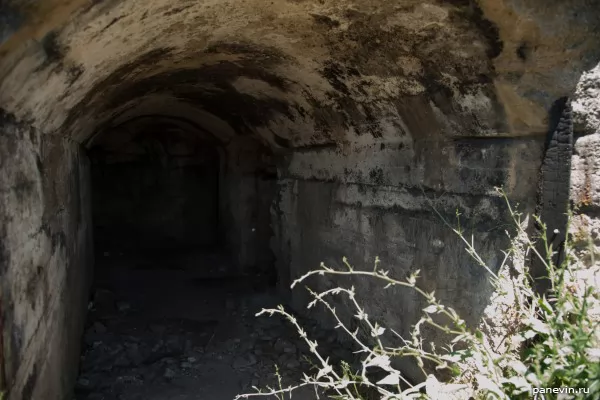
(155,186)
(181,267)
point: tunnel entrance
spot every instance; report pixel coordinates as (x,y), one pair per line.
(382,115)
(163,191)
(182,263)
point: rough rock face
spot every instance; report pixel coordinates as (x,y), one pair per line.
(374,111)
(586,103)
(585,173)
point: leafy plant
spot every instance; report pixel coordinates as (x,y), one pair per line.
(549,340)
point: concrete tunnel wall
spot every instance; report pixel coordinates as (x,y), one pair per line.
(375,111)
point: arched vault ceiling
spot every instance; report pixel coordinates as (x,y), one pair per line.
(296,72)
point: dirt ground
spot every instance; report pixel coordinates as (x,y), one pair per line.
(183,328)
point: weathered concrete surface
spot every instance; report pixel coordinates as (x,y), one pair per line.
(248,185)
(375,111)
(585,172)
(482,67)
(586,102)
(585,195)
(45,259)
(381,215)
(585,183)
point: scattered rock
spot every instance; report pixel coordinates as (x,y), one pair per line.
(150,375)
(244,362)
(175,344)
(120,357)
(83,383)
(290,348)
(586,102)
(135,355)
(283,359)
(157,346)
(122,361)
(91,337)
(157,328)
(280,345)
(127,379)
(169,373)
(123,306)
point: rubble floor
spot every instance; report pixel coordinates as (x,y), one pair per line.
(183,328)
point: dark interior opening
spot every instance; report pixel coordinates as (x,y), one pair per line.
(183,261)
(163,187)
(156,189)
